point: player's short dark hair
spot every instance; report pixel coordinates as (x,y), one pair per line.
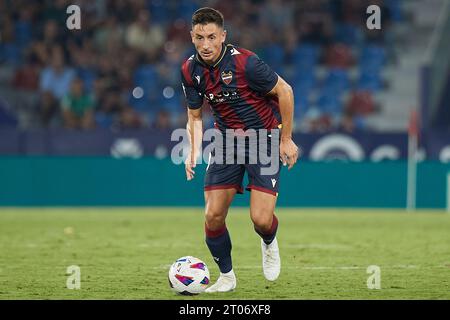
(207,15)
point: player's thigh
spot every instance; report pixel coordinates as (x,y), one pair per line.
(224,176)
(264,177)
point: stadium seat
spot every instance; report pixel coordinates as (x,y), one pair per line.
(370,67)
(146,77)
(348,34)
(185,9)
(23,33)
(88,76)
(370,81)
(145,74)
(306,55)
(103,120)
(304,80)
(337,80)
(395,8)
(329,102)
(171,104)
(139,104)
(10,53)
(373,54)
(159,12)
(301,104)
(273,55)
(6,117)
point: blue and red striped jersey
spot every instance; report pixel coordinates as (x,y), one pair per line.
(235,87)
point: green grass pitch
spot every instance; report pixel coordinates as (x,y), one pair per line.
(125,253)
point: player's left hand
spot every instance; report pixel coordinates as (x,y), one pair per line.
(288,152)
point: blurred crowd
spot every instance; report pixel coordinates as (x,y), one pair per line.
(122,68)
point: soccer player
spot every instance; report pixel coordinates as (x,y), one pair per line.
(244,93)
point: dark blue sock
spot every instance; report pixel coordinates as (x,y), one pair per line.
(219,244)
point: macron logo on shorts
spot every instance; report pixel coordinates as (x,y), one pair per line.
(274,182)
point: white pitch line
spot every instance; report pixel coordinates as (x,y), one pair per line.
(334,268)
(318,246)
(401,266)
(324,246)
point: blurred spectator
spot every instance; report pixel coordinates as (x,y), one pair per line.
(77,107)
(83,61)
(339,55)
(56,10)
(145,36)
(351,11)
(54,84)
(6,116)
(352,122)
(107,95)
(9,50)
(26,76)
(360,105)
(129,118)
(278,14)
(315,21)
(128,45)
(109,36)
(162,121)
(317,122)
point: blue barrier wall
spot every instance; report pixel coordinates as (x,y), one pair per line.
(104,181)
(151,142)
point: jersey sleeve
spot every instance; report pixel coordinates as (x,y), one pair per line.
(193,98)
(260,76)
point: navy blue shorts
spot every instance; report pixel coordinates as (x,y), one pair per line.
(262,176)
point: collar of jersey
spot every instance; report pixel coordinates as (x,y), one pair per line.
(222,54)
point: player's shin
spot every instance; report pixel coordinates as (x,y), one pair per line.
(219,244)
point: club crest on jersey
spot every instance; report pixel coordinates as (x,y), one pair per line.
(227,77)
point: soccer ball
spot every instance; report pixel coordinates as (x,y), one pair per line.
(188,276)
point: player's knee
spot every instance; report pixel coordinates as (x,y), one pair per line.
(263,222)
(215,219)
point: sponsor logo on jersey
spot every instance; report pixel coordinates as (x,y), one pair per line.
(222,96)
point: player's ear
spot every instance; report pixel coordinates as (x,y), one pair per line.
(224,35)
(192,36)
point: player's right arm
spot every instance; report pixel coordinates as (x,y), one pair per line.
(195,134)
(194,126)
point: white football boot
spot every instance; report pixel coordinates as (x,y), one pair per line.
(271,260)
(225,283)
